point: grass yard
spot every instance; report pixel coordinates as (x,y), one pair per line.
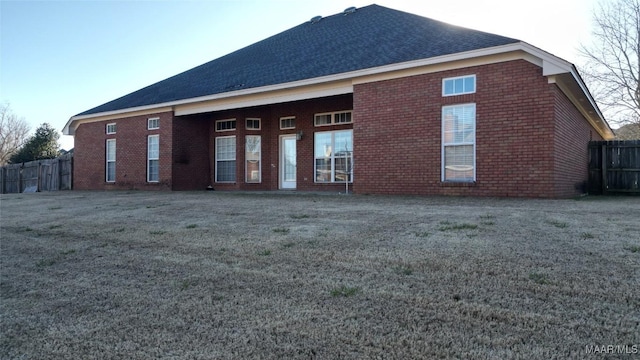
(213,275)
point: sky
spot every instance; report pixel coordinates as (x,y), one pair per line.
(60,58)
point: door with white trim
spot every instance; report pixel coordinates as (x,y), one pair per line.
(288,162)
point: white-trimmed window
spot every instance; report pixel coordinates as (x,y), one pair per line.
(459,85)
(111,128)
(226,125)
(333,156)
(153,158)
(287,123)
(110,169)
(153,123)
(334,118)
(252,124)
(226,159)
(252,158)
(459,143)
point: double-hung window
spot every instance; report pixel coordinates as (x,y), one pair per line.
(459,143)
(226,159)
(110,169)
(111,128)
(252,158)
(333,155)
(153,158)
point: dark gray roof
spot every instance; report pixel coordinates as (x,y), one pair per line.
(369,37)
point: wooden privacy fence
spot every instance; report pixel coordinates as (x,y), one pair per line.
(614,167)
(41,175)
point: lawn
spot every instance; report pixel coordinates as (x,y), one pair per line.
(214,275)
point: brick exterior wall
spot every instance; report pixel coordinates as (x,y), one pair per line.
(571,139)
(131,154)
(191,149)
(397,134)
(530,140)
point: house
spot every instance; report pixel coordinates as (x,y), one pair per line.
(628,132)
(388,101)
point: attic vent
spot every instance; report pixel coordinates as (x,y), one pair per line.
(349,10)
(315,19)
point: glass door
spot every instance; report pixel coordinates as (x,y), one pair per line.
(288,162)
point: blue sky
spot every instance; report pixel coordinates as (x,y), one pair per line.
(59,58)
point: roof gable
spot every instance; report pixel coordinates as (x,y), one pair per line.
(370,37)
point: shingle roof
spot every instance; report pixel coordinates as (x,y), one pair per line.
(371,36)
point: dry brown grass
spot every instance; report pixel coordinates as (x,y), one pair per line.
(210,275)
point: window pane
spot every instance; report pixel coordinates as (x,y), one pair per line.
(448,87)
(343,142)
(323,170)
(111,150)
(226,171)
(154,152)
(470,84)
(323,145)
(252,156)
(153,170)
(458,162)
(323,119)
(111,171)
(458,124)
(343,168)
(226,148)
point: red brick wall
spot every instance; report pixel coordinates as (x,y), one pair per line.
(191,151)
(571,138)
(397,133)
(530,140)
(131,153)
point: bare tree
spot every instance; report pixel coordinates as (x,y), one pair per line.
(612,68)
(13,133)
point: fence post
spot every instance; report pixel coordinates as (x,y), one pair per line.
(604,169)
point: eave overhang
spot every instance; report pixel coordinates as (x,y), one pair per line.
(555,69)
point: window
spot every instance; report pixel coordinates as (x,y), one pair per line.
(153,156)
(111,128)
(459,85)
(333,156)
(287,123)
(252,159)
(459,143)
(111,161)
(226,125)
(226,159)
(253,124)
(153,123)
(342,117)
